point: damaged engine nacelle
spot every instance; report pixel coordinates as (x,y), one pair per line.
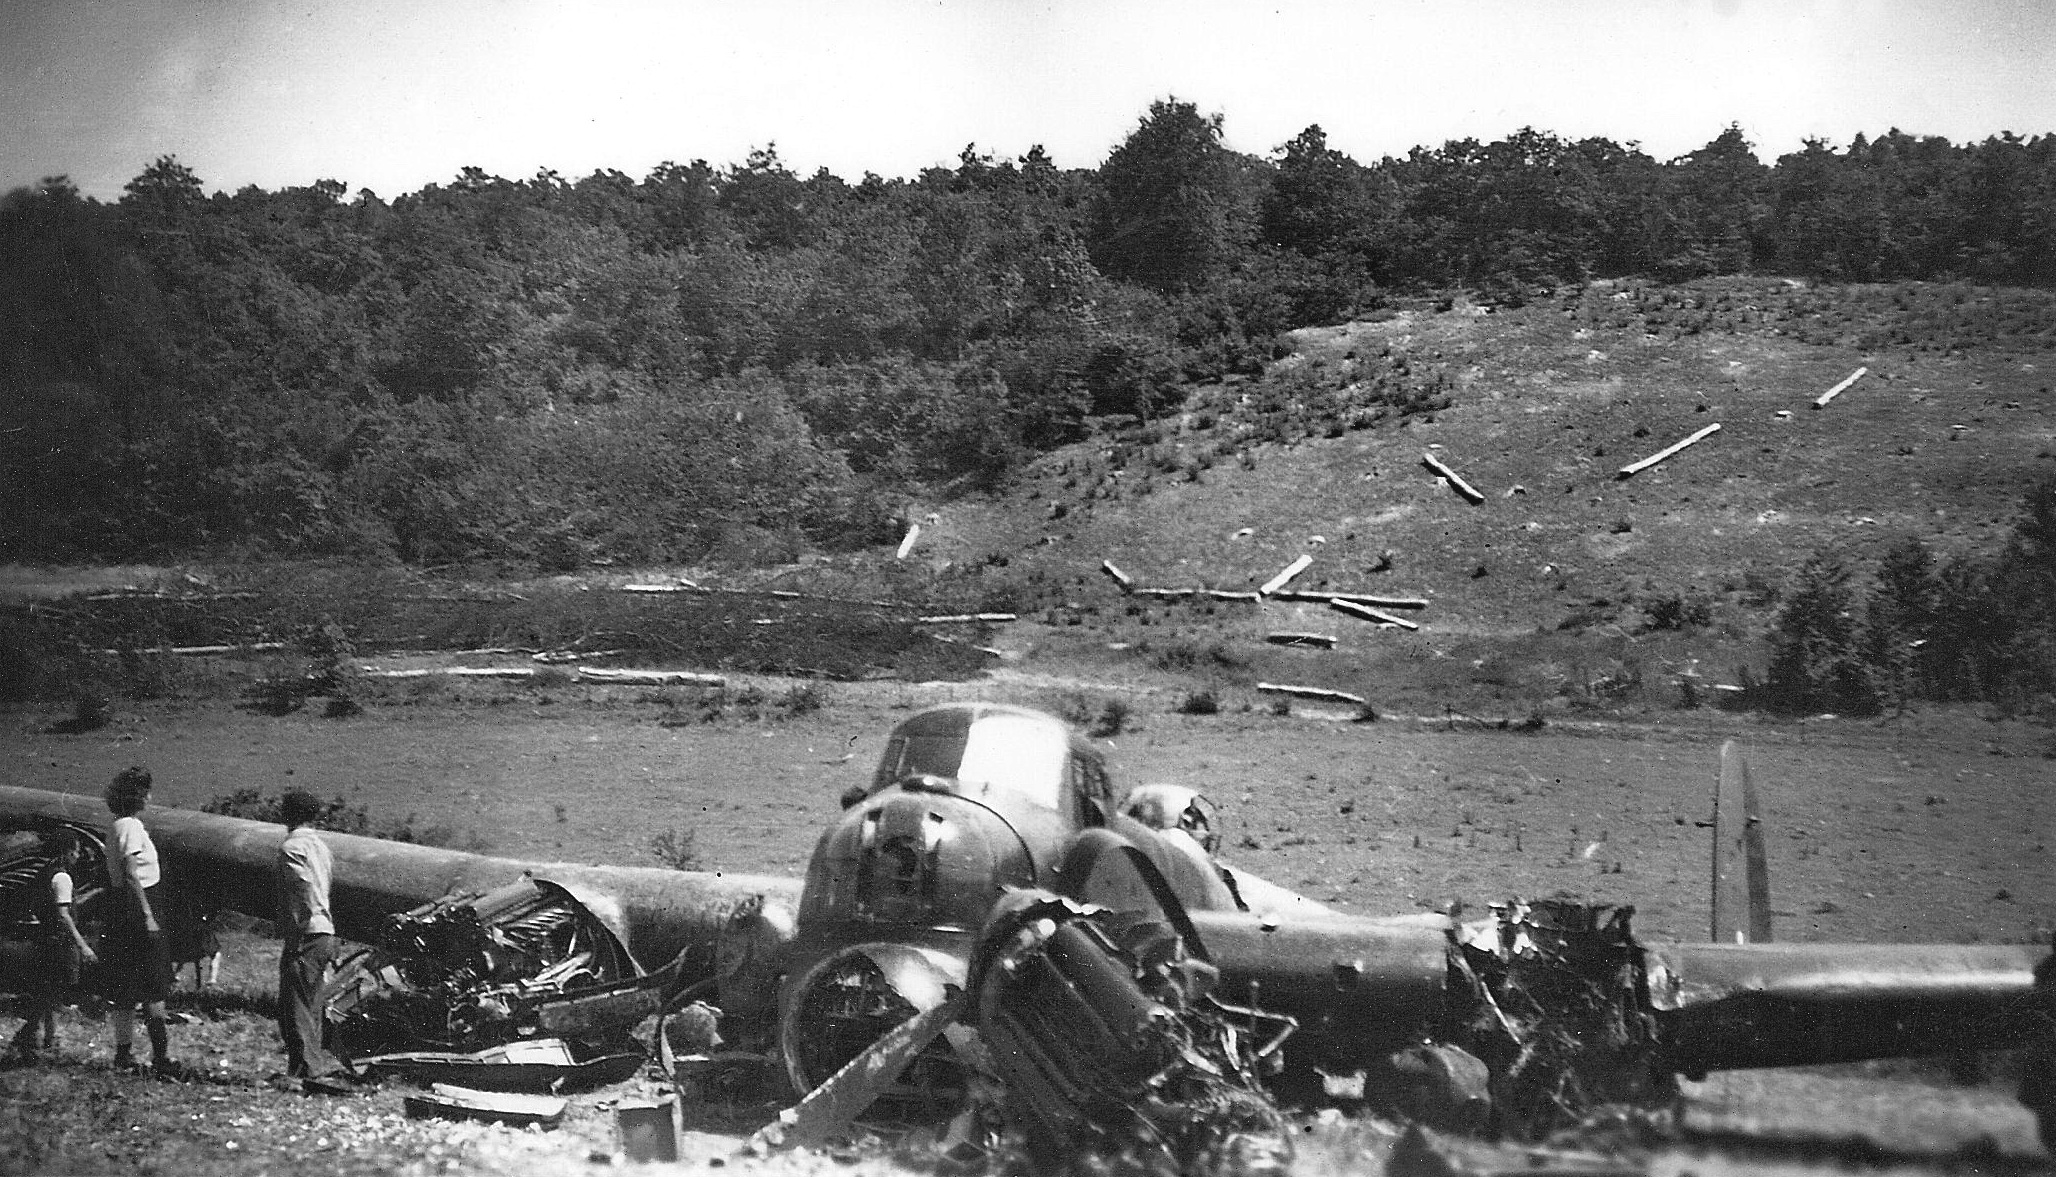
(1553,997)
(1107,1044)
(478,970)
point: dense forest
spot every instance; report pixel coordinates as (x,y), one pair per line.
(743,361)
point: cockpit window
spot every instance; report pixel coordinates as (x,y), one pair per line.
(1011,754)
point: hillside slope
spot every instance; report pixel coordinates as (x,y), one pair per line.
(1951,422)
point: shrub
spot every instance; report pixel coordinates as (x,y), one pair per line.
(1090,714)
(339,816)
(1200,702)
(676,848)
(89,712)
(802,699)
(278,694)
(1184,657)
(1676,611)
(1110,720)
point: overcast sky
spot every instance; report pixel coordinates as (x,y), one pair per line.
(394,94)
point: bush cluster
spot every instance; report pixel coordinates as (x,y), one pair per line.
(339,816)
(1966,628)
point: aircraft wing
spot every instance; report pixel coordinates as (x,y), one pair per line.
(657,913)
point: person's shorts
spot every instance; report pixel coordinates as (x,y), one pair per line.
(135,965)
(57,965)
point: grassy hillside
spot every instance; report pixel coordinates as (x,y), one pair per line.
(1566,582)
(1566,589)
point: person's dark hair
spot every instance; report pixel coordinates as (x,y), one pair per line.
(129,790)
(62,848)
(61,845)
(298,807)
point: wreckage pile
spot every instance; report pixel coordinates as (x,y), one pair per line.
(477,971)
(1111,1053)
(1555,1004)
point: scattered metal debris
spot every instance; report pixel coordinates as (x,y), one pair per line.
(538,1066)
(447,1102)
(1554,1000)
(649,1131)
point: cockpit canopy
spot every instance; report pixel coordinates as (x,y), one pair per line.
(992,752)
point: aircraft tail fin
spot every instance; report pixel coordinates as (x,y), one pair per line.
(1741,878)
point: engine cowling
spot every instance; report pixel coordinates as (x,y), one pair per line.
(895,893)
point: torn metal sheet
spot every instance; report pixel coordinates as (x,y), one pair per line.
(542,1066)
(830,1108)
(448,1102)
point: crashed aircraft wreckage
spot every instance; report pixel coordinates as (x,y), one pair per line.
(989,925)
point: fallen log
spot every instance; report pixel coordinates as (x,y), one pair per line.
(1634,468)
(560,657)
(134,594)
(1325,641)
(962,618)
(1821,401)
(194,651)
(1168,594)
(907,545)
(1455,480)
(1121,578)
(451,671)
(1290,570)
(649,678)
(1322,693)
(1232,595)
(1367,613)
(1376,601)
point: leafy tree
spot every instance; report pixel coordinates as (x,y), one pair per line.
(1718,192)
(770,205)
(1320,201)
(1174,209)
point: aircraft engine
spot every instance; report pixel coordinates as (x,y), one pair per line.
(1108,1044)
(852,999)
(920,860)
(895,893)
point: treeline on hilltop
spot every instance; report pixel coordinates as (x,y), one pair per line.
(740,360)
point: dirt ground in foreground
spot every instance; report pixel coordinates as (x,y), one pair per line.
(1929,829)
